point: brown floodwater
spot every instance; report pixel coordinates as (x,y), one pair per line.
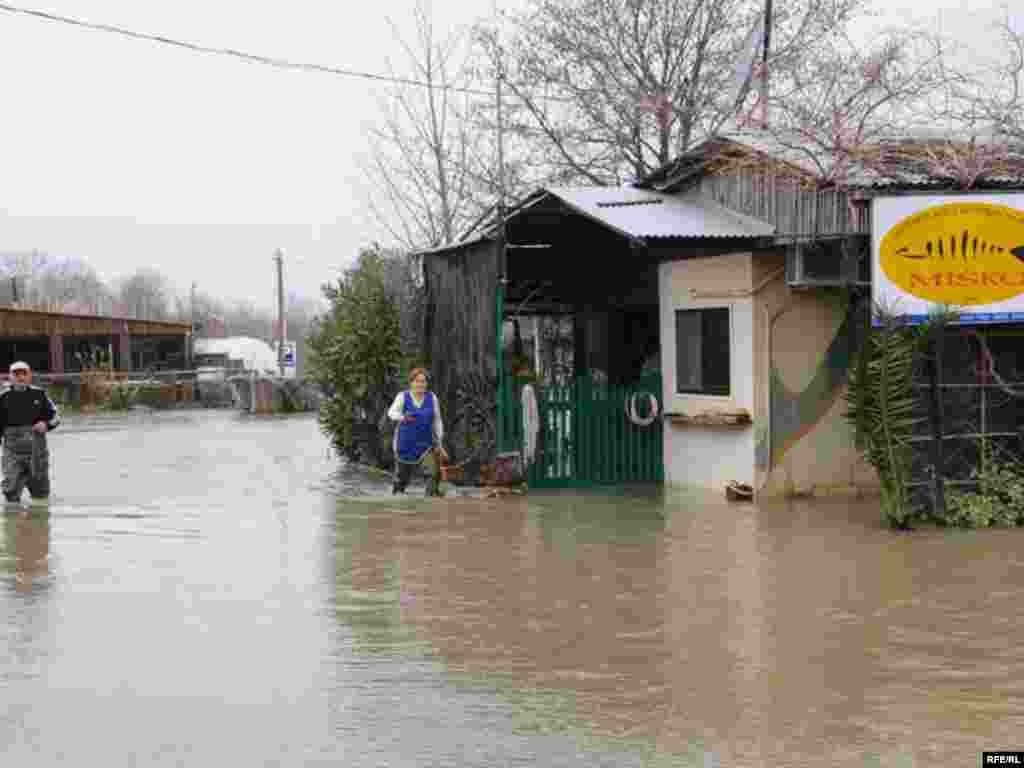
(210,589)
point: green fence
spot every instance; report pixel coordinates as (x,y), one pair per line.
(586,437)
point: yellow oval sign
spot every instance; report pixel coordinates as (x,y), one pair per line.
(957,253)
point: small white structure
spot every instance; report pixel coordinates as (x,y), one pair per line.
(236,353)
(290,358)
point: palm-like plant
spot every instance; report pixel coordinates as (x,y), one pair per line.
(883,407)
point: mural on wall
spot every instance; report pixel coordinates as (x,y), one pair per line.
(795,414)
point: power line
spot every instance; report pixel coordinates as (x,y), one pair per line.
(243,55)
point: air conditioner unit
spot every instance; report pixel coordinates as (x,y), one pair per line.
(829,263)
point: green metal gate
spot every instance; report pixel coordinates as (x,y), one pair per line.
(586,437)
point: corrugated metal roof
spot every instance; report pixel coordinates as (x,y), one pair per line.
(637,213)
(887,164)
(644,214)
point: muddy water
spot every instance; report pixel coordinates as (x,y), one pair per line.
(210,589)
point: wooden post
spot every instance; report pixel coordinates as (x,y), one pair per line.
(936,344)
(281,331)
(499,299)
(190,343)
(56,353)
(124,347)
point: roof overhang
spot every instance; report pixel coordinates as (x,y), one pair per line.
(638,215)
(643,215)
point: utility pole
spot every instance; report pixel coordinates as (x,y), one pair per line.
(765,48)
(192,325)
(502,264)
(279,258)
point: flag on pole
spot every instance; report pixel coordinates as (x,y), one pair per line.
(214,328)
(660,107)
(747,61)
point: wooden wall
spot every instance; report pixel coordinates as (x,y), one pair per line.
(21,322)
(794,210)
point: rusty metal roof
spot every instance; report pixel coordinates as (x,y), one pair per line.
(898,163)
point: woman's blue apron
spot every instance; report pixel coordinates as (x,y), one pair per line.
(416,438)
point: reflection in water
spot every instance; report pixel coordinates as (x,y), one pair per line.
(223,594)
(775,635)
(25,550)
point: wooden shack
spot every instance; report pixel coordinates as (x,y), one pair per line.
(55,342)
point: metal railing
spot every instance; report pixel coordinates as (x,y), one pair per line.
(135,376)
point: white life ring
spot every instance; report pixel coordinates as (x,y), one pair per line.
(531,424)
(631,413)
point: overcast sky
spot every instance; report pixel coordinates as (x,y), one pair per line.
(127,153)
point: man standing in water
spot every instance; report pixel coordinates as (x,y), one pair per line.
(26,415)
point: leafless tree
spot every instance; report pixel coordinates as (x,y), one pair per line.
(38,279)
(403,283)
(146,295)
(424,190)
(904,102)
(72,283)
(301,314)
(19,271)
(995,93)
(615,88)
(834,105)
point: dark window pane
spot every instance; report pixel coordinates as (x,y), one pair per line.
(716,351)
(689,371)
(702,351)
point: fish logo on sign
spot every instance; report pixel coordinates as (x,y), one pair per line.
(958,253)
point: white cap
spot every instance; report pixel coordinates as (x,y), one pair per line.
(21,365)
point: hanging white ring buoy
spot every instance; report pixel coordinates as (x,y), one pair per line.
(531,424)
(631,413)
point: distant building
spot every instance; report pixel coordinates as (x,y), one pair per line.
(235,353)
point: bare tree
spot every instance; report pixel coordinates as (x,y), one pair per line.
(903,103)
(424,191)
(36,278)
(146,295)
(73,285)
(402,278)
(613,89)
(19,271)
(301,314)
(837,103)
(995,94)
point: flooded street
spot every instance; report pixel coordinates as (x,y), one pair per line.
(210,589)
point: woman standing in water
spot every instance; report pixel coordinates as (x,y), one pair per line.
(419,432)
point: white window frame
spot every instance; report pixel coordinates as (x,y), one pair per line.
(732,352)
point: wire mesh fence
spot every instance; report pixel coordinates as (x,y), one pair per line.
(971,382)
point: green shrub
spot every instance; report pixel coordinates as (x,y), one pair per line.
(149,394)
(122,396)
(998,500)
(355,350)
(58,392)
(883,408)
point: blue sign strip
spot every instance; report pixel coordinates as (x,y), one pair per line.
(978,318)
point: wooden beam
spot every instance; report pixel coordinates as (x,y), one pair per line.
(23,322)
